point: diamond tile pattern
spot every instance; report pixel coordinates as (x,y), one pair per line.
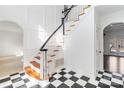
(66,79)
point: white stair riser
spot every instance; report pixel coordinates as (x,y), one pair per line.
(51,68)
(35,69)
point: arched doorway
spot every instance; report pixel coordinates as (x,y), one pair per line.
(11,48)
(114,47)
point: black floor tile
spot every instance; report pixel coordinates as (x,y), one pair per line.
(10,86)
(63,69)
(52,79)
(50,86)
(85,78)
(100,72)
(75,85)
(123,75)
(72,72)
(16,80)
(63,86)
(117,77)
(62,79)
(4,80)
(22,74)
(103,85)
(62,73)
(116,85)
(14,74)
(98,78)
(73,78)
(36,86)
(26,80)
(22,86)
(108,72)
(88,85)
(106,77)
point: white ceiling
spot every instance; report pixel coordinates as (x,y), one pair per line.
(115,27)
(106,9)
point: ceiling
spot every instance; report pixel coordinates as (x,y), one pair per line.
(115,27)
(106,9)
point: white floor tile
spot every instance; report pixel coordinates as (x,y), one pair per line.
(19,83)
(24,77)
(105,81)
(15,76)
(99,75)
(94,82)
(30,84)
(81,82)
(67,75)
(4,84)
(69,82)
(107,74)
(77,75)
(57,76)
(56,83)
(117,81)
(117,74)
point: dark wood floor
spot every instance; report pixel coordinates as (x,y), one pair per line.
(114,64)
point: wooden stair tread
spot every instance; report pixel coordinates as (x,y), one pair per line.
(75,20)
(52,55)
(49,61)
(35,64)
(58,46)
(68,30)
(39,53)
(72,25)
(87,7)
(81,14)
(32,73)
(37,57)
(56,50)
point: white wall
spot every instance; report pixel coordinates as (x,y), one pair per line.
(80,46)
(11,43)
(105,20)
(35,22)
(11,39)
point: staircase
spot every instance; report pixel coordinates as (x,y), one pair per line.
(50,58)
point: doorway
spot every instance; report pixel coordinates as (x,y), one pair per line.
(11,48)
(114,47)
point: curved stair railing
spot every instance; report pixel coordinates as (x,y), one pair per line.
(39,68)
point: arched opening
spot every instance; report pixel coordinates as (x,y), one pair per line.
(11,48)
(114,47)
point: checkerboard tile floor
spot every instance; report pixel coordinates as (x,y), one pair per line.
(66,79)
